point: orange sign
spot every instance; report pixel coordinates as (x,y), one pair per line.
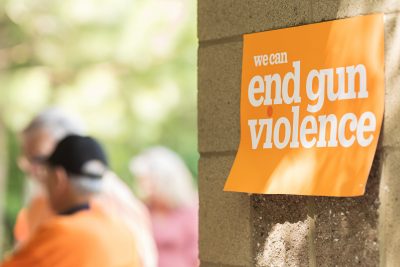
(312,101)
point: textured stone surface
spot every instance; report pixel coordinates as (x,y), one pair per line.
(211,264)
(286,245)
(279,224)
(224,18)
(335,9)
(348,226)
(285,230)
(391,126)
(219,97)
(389,212)
(313,231)
(225,235)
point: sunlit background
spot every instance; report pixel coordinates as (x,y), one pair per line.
(127,67)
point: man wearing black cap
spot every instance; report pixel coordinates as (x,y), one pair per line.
(75,168)
(80,235)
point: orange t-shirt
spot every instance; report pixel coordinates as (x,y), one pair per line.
(85,239)
(116,200)
(31,217)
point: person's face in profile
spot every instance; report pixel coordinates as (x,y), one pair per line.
(55,182)
(36,147)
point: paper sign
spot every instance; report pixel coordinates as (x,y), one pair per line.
(312,100)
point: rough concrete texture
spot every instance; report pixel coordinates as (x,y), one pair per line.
(283,230)
(348,226)
(275,219)
(391,126)
(225,236)
(323,10)
(211,264)
(285,234)
(219,96)
(287,244)
(225,18)
(389,212)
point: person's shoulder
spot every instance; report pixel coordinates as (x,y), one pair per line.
(93,225)
(84,236)
(51,228)
(80,225)
(86,221)
(55,235)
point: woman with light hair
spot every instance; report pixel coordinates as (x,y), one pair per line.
(166,187)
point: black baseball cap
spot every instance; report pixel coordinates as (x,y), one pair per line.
(80,156)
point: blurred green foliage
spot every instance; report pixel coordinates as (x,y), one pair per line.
(126,67)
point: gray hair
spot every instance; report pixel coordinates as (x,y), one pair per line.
(57,123)
(167,172)
(86,185)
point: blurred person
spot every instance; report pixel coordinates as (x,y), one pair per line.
(167,188)
(38,140)
(79,234)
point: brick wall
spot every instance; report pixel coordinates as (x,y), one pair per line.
(237,229)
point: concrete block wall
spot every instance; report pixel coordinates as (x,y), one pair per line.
(238,229)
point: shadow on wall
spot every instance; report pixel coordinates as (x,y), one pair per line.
(292,218)
(310,231)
